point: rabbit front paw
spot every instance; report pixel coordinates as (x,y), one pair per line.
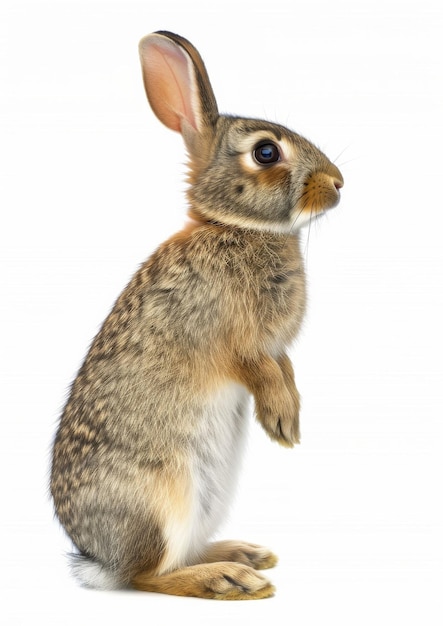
(280,420)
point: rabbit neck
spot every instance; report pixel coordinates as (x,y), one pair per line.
(258,231)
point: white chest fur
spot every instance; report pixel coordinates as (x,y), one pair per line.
(215,459)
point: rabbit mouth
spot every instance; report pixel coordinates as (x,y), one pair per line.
(321,192)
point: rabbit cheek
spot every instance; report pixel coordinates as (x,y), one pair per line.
(273,177)
(274,184)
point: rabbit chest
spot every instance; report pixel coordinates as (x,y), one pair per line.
(268,294)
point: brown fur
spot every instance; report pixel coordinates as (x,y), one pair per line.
(141,453)
(226,572)
(218,581)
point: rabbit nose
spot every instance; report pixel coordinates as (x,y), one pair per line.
(335,174)
(338,184)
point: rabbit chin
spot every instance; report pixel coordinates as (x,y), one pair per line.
(303,218)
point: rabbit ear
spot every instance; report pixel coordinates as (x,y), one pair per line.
(177,84)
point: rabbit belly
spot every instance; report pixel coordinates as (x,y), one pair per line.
(204,492)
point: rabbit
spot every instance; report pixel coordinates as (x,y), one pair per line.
(149,445)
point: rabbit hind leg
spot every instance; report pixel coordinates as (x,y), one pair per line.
(220,581)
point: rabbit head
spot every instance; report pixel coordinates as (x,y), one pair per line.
(243,172)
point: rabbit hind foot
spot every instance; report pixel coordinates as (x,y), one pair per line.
(219,581)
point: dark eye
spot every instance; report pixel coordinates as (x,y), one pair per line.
(266,153)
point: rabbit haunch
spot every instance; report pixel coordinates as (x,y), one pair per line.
(192,504)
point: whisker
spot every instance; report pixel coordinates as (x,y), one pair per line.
(339,155)
(292,227)
(307,238)
(345,162)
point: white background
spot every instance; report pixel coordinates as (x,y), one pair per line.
(91,183)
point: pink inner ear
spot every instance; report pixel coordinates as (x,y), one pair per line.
(169,84)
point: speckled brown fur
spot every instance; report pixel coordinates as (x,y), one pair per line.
(147,448)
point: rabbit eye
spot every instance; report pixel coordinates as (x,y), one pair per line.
(266,153)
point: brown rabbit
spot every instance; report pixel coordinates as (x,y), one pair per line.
(149,444)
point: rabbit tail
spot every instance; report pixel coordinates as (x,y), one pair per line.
(92,574)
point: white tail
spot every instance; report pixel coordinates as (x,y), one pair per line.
(92,574)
